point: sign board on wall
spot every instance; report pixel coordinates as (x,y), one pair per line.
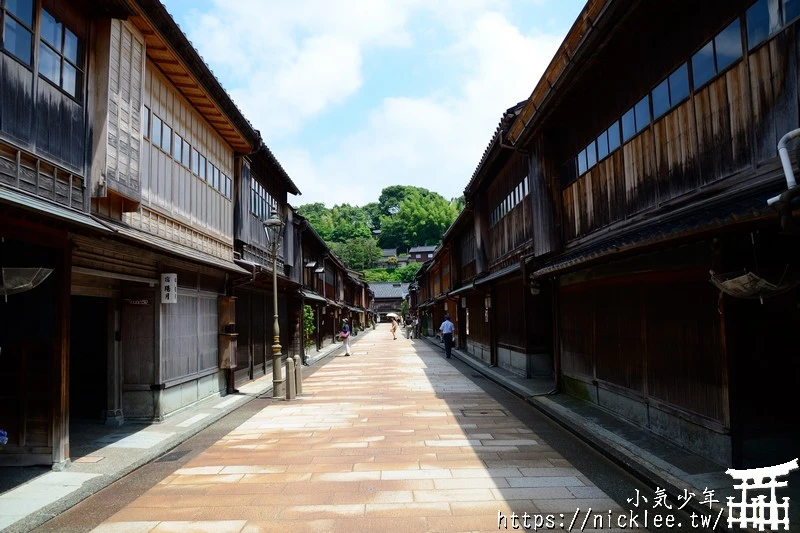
(169,288)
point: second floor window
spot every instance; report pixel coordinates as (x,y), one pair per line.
(59,53)
(17,28)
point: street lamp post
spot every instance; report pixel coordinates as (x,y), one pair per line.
(273,227)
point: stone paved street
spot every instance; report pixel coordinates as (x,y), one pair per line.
(394,438)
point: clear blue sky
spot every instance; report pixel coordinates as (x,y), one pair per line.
(356,95)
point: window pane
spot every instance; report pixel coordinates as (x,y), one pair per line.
(166,138)
(156,131)
(613,137)
(71,80)
(186,155)
(51,30)
(591,155)
(660,99)
(22,9)
(202,168)
(791,10)
(18,40)
(762,20)
(146,122)
(195,160)
(602,146)
(582,162)
(703,65)
(729,45)
(642,113)
(71,47)
(49,64)
(628,125)
(177,142)
(679,84)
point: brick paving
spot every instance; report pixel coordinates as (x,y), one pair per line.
(393,438)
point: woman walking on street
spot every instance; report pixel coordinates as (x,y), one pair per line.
(394,328)
(345,335)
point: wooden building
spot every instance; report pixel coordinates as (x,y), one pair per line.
(649,152)
(435,276)
(122,163)
(420,254)
(500,320)
(261,191)
(388,297)
(314,251)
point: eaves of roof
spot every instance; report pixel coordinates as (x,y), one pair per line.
(701,220)
(591,23)
(171,32)
(271,161)
(497,139)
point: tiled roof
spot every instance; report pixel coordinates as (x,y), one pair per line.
(422,249)
(389,290)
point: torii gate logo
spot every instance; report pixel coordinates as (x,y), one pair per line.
(760,512)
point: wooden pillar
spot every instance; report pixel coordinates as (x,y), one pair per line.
(61,365)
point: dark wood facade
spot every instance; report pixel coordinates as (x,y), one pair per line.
(637,199)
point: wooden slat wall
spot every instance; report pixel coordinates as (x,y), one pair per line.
(189,335)
(542,182)
(243,328)
(40,117)
(727,126)
(660,341)
(16,101)
(675,150)
(514,229)
(126,66)
(466,255)
(774,92)
(60,126)
(721,112)
(172,189)
(509,306)
(138,338)
(36,176)
(476,324)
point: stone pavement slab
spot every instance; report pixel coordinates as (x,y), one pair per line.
(394,438)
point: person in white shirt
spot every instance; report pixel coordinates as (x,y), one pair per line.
(447,329)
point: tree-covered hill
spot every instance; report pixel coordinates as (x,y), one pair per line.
(403,217)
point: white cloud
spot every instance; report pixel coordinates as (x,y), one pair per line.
(433,142)
(288,62)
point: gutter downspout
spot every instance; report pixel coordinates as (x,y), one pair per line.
(784,200)
(786,161)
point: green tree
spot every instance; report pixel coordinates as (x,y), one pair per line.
(319,217)
(359,253)
(378,275)
(373,213)
(407,273)
(421,219)
(309,326)
(459,204)
(398,275)
(349,222)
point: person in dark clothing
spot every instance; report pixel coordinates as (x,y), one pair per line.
(447,329)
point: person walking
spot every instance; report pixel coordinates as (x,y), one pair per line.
(447,329)
(394,328)
(345,336)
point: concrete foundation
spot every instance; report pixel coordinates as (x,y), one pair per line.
(702,440)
